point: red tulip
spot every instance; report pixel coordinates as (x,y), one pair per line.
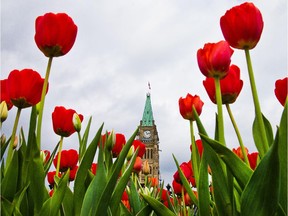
(141,146)
(281,90)
(253,157)
(94,168)
(231,85)
(177,187)
(72,174)
(45,154)
(50,177)
(119,143)
(153,181)
(187,171)
(242,26)
(24,87)
(55,34)
(239,153)
(164,196)
(137,165)
(63,121)
(68,159)
(125,200)
(4,94)
(186,106)
(214,59)
(199,146)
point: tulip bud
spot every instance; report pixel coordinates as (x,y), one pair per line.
(3,140)
(146,168)
(15,142)
(130,153)
(111,140)
(45,155)
(3,111)
(76,122)
(38,107)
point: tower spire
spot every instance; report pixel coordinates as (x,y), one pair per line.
(147,118)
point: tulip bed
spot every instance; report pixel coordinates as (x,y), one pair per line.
(215,181)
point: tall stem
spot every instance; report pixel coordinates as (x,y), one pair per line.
(238,134)
(221,136)
(59,156)
(264,148)
(41,107)
(10,150)
(195,155)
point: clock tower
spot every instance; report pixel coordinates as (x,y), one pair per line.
(148,134)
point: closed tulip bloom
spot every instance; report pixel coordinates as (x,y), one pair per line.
(253,158)
(4,94)
(187,171)
(281,90)
(177,187)
(214,59)
(146,168)
(186,106)
(69,159)
(62,120)
(24,87)
(199,146)
(55,34)
(73,173)
(119,143)
(50,178)
(93,168)
(137,165)
(239,153)
(153,181)
(231,86)
(242,26)
(141,146)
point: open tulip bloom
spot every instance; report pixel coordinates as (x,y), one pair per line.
(104,172)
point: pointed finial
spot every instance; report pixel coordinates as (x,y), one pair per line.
(149,87)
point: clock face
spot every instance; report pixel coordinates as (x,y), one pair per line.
(147,134)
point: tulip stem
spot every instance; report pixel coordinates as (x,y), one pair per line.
(41,107)
(238,134)
(10,150)
(220,120)
(59,156)
(264,148)
(195,155)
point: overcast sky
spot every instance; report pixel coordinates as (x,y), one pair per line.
(123,45)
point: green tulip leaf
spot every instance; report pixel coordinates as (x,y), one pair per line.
(258,137)
(260,196)
(94,191)
(186,184)
(52,205)
(146,210)
(203,187)
(10,179)
(82,172)
(67,204)
(159,208)
(122,183)
(105,197)
(134,198)
(223,202)
(3,148)
(232,161)
(83,144)
(282,151)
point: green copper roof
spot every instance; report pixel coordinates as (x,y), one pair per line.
(147,119)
